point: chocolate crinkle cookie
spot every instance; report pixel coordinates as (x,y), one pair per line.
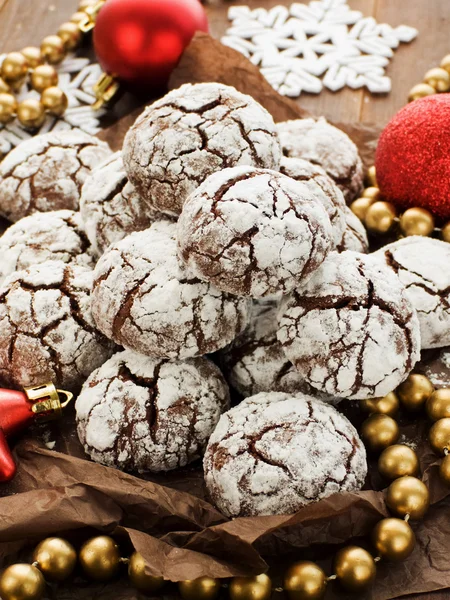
(46,328)
(253,232)
(191,133)
(351,331)
(41,237)
(322,187)
(315,140)
(423,266)
(435,364)
(111,207)
(275,452)
(355,234)
(46,172)
(141,414)
(255,362)
(144,300)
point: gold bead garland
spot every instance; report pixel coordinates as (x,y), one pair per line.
(38,65)
(393,539)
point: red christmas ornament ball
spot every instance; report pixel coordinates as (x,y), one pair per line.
(141,41)
(413,156)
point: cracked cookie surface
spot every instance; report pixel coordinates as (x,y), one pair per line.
(191,133)
(355,234)
(46,172)
(58,235)
(110,206)
(323,144)
(146,301)
(422,265)
(351,331)
(253,232)
(275,452)
(46,328)
(141,414)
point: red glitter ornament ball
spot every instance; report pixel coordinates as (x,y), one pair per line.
(141,41)
(413,156)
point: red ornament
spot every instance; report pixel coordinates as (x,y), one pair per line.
(140,41)
(18,410)
(413,156)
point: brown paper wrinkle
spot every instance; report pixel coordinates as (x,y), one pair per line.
(167,517)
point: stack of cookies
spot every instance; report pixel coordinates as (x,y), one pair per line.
(217,249)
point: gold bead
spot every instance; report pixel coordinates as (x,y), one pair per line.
(379,432)
(397,461)
(421,90)
(8,108)
(52,49)
(33,56)
(31,113)
(43,77)
(250,588)
(384,406)
(414,392)
(380,217)
(371,192)
(417,221)
(70,34)
(445,232)
(408,496)
(445,63)
(393,539)
(355,568)
(4,87)
(99,558)
(14,67)
(438,78)
(203,588)
(360,206)
(438,404)
(78,17)
(305,581)
(444,469)
(372,176)
(22,582)
(439,435)
(54,101)
(56,557)
(139,578)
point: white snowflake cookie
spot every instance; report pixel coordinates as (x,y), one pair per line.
(141,414)
(351,330)
(254,232)
(423,266)
(144,300)
(315,140)
(46,172)
(275,452)
(191,133)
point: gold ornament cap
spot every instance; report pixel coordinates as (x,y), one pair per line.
(46,401)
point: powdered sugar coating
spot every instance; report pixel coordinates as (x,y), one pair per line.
(322,187)
(189,134)
(253,232)
(146,301)
(315,140)
(355,234)
(255,362)
(40,237)
(275,452)
(423,266)
(46,172)
(142,414)
(46,328)
(351,330)
(110,206)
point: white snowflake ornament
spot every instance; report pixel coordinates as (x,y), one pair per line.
(325,43)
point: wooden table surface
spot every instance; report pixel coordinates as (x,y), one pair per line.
(26,22)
